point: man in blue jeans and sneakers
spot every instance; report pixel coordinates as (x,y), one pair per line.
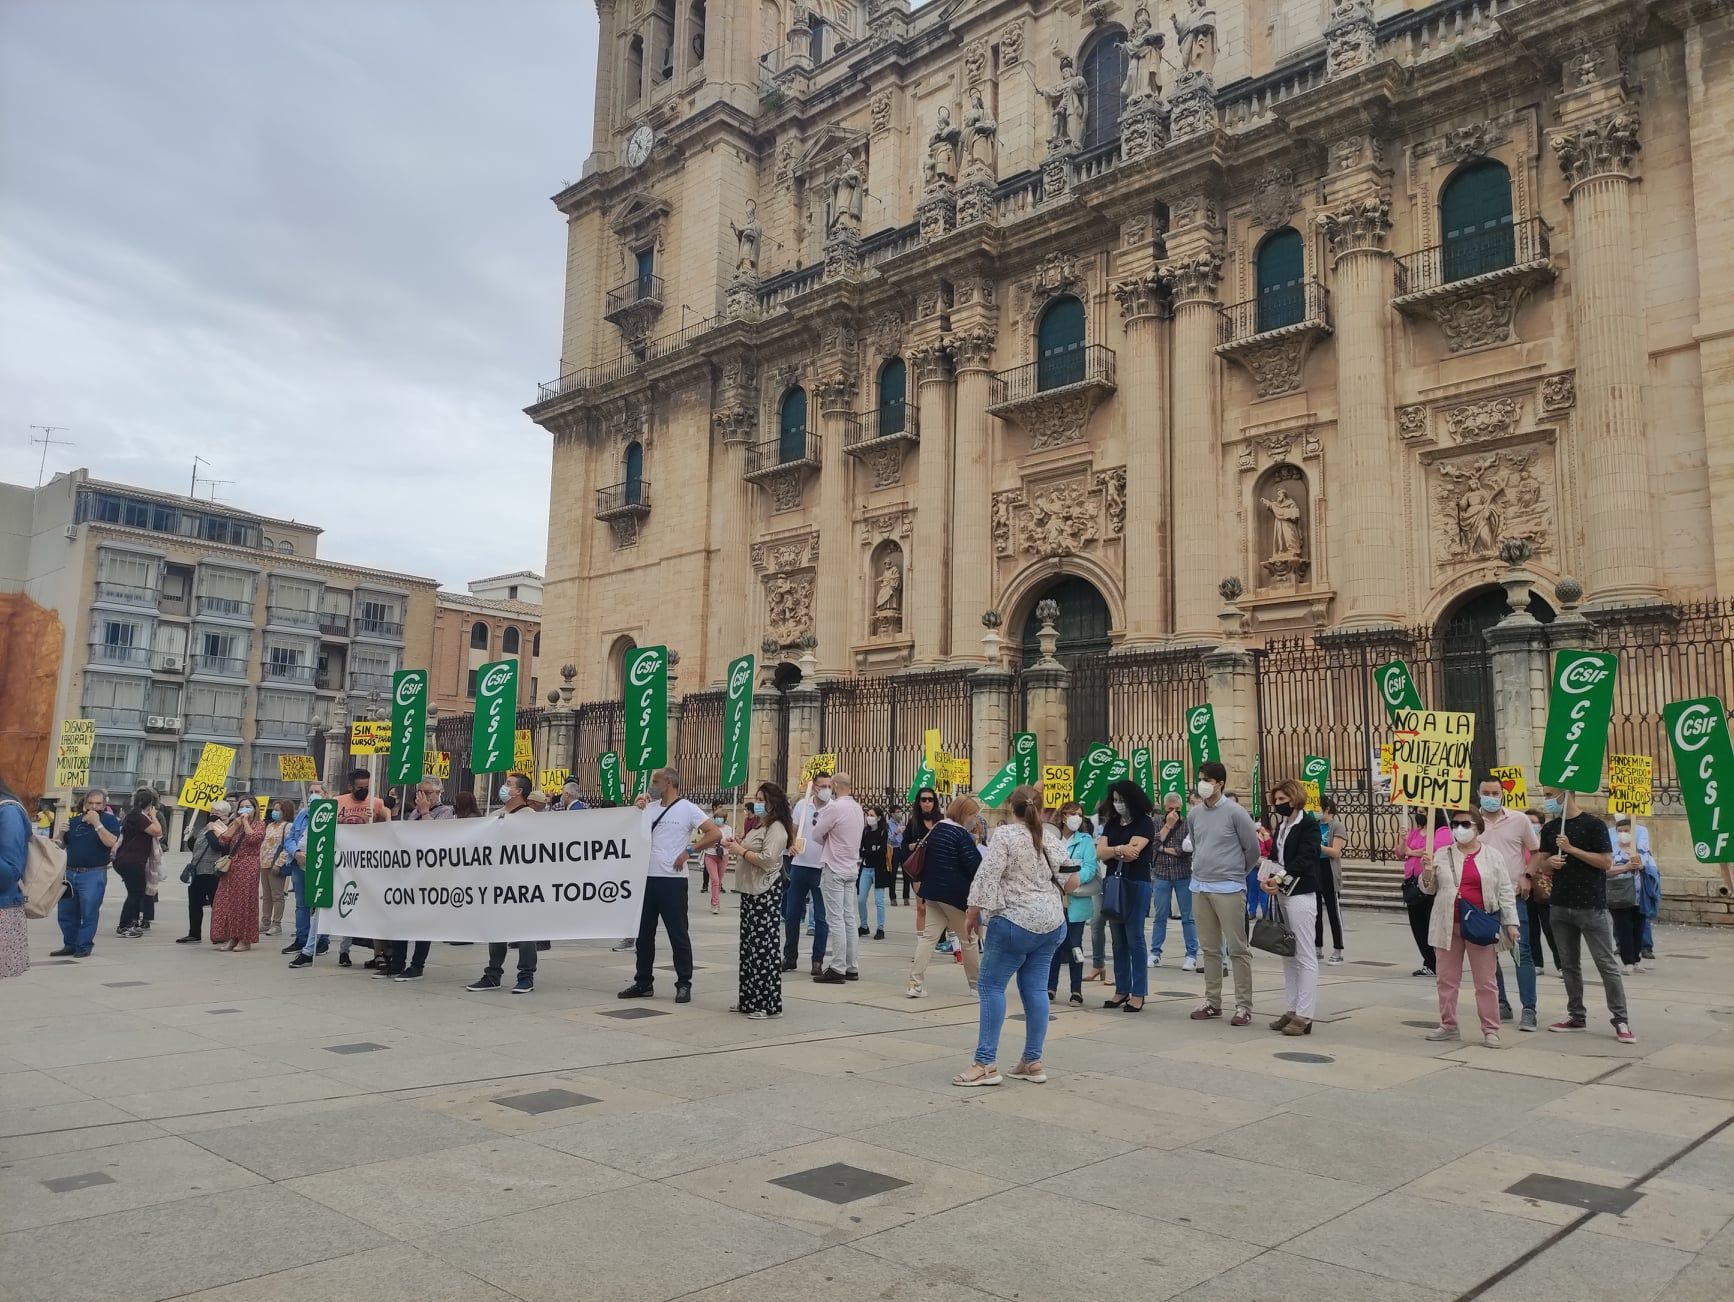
(293,840)
(805,878)
(89,840)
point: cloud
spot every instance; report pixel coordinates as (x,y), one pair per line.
(308,240)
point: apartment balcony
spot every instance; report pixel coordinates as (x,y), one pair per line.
(333,625)
(230,610)
(275,673)
(1271,335)
(291,617)
(635,307)
(282,729)
(1052,398)
(117,782)
(131,595)
(378,630)
(783,466)
(363,682)
(219,667)
(1472,285)
(128,657)
(114,716)
(213,725)
(173,663)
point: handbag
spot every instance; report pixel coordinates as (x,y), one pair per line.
(915,863)
(1114,897)
(1479,927)
(1623,891)
(1271,932)
(1540,888)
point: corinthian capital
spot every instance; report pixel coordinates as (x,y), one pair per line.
(1603,146)
(1195,277)
(1139,296)
(974,347)
(931,363)
(836,394)
(1358,224)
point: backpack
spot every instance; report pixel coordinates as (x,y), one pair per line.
(44,880)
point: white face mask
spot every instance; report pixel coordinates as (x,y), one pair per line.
(1625,838)
(823,795)
(873,820)
(1206,789)
(1119,807)
(1463,835)
(1074,822)
(505,791)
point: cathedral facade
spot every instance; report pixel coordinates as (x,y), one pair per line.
(883,325)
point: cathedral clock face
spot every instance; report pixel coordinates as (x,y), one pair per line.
(639,145)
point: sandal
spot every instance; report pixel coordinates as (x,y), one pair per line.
(977,1076)
(1030,1071)
(1097,974)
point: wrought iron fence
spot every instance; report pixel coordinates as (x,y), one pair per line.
(1147,696)
(1692,657)
(875,726)
(699,758)
(600,727)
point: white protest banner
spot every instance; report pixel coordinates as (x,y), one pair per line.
(576,875)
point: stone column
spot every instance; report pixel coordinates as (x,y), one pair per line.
(607,63)
(804,710)
(1197,445)
(834,600)
(990,717)
(732,587)
(1045,686)
(1517,650)
(1620,553)
(1230,685)
(929,588)
(1144,398)
(971,537)
(1365,525)
(767,716)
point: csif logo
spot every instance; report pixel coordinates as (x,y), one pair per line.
(1199,720)
(741,679)
(1026,744)
(1314,768)
(1170,770)
(1578,676)
(409,690)
(1100,756)
(644,669)
(495,680)
(1395,685)
(323,816)
(1694,728)
(610,762)
(347,901)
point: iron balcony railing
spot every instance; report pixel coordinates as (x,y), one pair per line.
(110,653)
(292,616)
(295,728)
(278,671)
(1519,246)
(640,289)
(126,594)
(333,624)
(226,666)
(224,607)
(617,499)
(362,682)
(793,448)
(386,628)
(223,725)
(115,716)
(1306,303)
(1092,364)
(893,420)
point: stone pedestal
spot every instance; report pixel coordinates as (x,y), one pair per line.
(1192,106)
(937,211)
(767,720)
(974,199)
(804,729)
(1231,689)
(843,253)
(1045,685)
(743,295)
(990,720)
(1144,127)
(1517,652)
(1059,167)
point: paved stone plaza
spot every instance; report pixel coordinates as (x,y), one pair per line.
(183,1123)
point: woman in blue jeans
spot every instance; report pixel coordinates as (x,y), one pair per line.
(1019,892)
(1124,849)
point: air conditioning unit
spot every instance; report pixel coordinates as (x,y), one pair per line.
(172,664)
(155,721)
(71,533)
(172,722)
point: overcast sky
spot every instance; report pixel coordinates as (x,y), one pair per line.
(308,240)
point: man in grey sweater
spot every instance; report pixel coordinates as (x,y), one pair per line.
(1224,851)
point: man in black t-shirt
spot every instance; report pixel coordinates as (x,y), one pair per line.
(1576,853)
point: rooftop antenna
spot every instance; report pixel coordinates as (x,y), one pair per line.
(193,487)
(213,483)
(46,439)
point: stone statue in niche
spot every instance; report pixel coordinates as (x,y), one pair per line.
(1196,34)
(1143,50)
(848,189)
(1287,534)
(888,595)
(981,137)
(942,151)
(1066,104)
(747,240)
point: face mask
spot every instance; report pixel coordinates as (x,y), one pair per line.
(1282,810)
(1119,807)
(759,807)
(1553,807)
(361,792)
(246,811)
(505,791)
(1625,838)
(1491,804)
(1074,822)
(276,815)
(1206,789)
(1463,835)
(872,820)
(719,820)
(823,795)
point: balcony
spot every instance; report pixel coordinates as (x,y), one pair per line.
(125,594)
(1472,285)
(332,624)
(291,617)
(232,609)
(1052,398)
(291,729)
(168,662)
(364,682)
(883,426)
(114,716)
(273,672)
(220,666)
(783,466)
(623,501)
(109,653)
(1270,335)
(380,630)
(117,782)
(634,307)
(214,725)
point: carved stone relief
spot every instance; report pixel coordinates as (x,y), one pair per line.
(974,63)
(1472,141)
(1112,486)
(1480,501)
(1276,367)
(1351,37)
(1489,419)
(785,488)
(1412,422)
(1011,44)
(1558,393)
(1275,200)
(1358,224)
(789,606)
(625,531)
(1478,320)
(880,108)
(1059,518)
(1600,147)
(885,464)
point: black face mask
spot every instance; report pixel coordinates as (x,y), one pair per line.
(361,791)
(1282,811)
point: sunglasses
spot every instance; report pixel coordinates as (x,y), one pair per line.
(1465,823)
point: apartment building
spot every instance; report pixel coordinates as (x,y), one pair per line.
(189,621)
(498,618)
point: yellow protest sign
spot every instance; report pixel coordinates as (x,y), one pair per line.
(1430,758)
(77,736)
(824,762)
(523,751)
(1056,785)
(198,793)
(553,780)
(297,768)
(1629,779)
(1385,761)
(438,763)
(1313,794)
(71,770)
(214,762)
(1514,791)
(370,737)
(957,771)
(941,765)
(931,746)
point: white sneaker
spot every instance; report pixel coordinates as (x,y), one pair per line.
(1155,960)
(1442,1033)
(916,991)
(1491,1041)
(1190,965)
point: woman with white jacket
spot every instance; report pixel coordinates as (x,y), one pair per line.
(1469,870)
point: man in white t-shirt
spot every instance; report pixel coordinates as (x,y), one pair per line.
(669,823)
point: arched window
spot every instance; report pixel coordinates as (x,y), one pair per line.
(1060,344)
(617,653)
(792,426)
(634,485)
(509,641)
(1281,280)
(1104,72)
(663,46)
(695,31)
(893,392)
(1475,215)
(635,69)
(535,644)
(479,636)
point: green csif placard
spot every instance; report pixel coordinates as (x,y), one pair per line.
(923,778)
(1024,752)
(1000,785)
(1144,770)
(1396,687)
(647,708)
(1704,760)
(321,853)
(1171,779)
(1578,713)
(1093,774)
(737,723)
(495,731)
(608,771)
(408,726)
(1201,736)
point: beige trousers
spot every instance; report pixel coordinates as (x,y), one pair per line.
(1223,917)
(272,887)
(942,918)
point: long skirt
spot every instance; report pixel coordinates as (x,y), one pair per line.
(235,911)
(762,952)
